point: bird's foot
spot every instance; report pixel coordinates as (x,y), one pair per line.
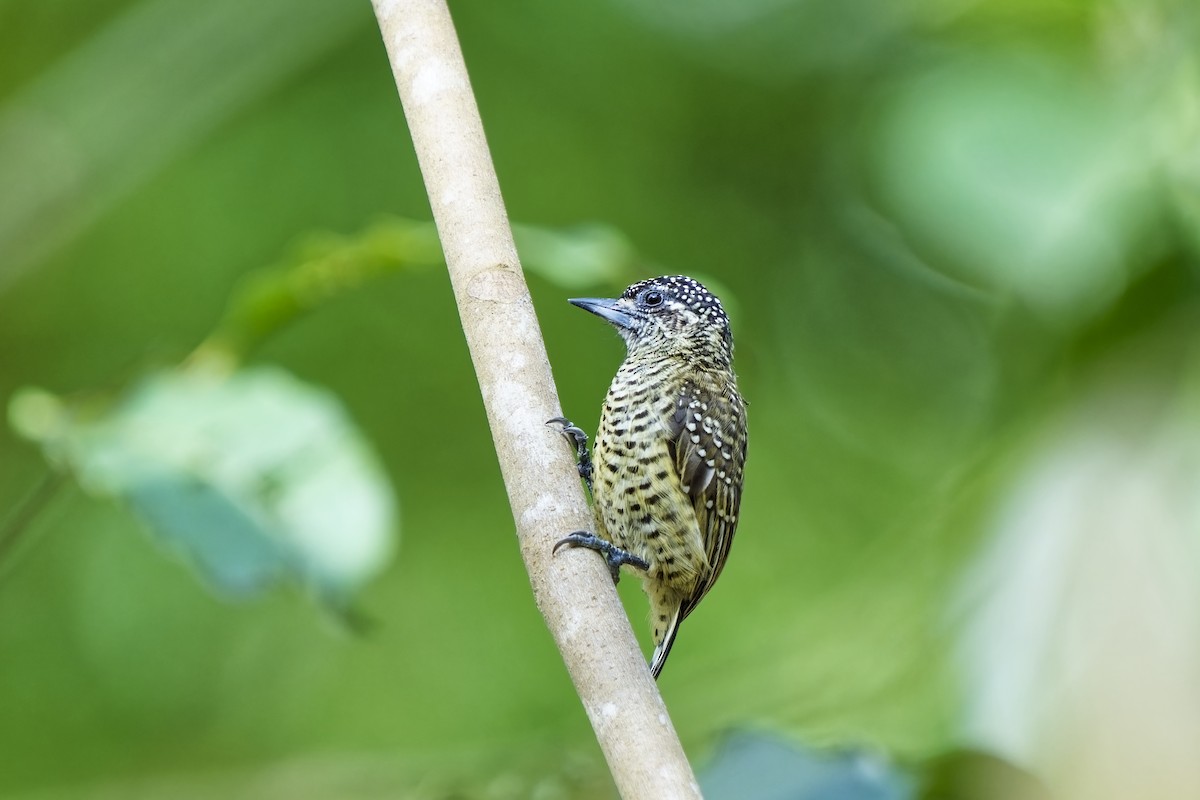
(613,555)
(576,436)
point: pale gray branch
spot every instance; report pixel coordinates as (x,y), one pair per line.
(573,590)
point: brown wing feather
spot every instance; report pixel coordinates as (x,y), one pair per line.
(712,479)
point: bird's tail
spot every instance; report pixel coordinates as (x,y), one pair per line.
(663,648)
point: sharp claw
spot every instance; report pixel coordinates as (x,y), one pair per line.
(613,555)
(569,429)
(579,439)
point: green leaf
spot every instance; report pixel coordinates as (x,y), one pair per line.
(255,477)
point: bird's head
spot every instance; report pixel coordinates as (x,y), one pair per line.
(671,315)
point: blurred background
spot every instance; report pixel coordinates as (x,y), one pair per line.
(958,241)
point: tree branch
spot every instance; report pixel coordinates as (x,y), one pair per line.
(573,590)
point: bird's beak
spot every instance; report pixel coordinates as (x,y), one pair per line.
(605,309)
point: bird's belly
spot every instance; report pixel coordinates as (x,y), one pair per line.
(642,509)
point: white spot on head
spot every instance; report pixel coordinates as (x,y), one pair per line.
(609,710)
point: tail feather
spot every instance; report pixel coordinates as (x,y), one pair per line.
(663,648)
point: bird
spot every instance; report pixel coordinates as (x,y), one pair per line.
(666,469)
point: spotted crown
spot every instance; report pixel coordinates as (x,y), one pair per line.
(687,291)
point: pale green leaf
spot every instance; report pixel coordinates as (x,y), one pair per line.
(254,476)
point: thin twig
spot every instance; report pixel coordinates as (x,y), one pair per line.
(573,590)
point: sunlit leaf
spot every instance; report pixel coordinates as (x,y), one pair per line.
(254,477)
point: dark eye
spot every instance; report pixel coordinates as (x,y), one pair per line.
(652,298)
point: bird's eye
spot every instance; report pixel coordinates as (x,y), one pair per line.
(652,298)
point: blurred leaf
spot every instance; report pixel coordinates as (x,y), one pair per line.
(584,255)
(327,265)
(754,766)
(1016,169)
(254,477)
(972,775)
(323,267)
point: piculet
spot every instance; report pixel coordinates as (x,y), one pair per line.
(666,468)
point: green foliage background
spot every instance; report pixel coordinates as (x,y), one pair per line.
(931,220)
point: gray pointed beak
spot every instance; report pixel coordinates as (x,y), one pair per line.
(605,309)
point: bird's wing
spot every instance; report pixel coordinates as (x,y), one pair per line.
(709,447)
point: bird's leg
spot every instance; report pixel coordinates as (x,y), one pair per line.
(576,436)
(613,555)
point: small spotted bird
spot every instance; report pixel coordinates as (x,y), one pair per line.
(666,469)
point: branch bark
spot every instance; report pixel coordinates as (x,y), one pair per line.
(573,590)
